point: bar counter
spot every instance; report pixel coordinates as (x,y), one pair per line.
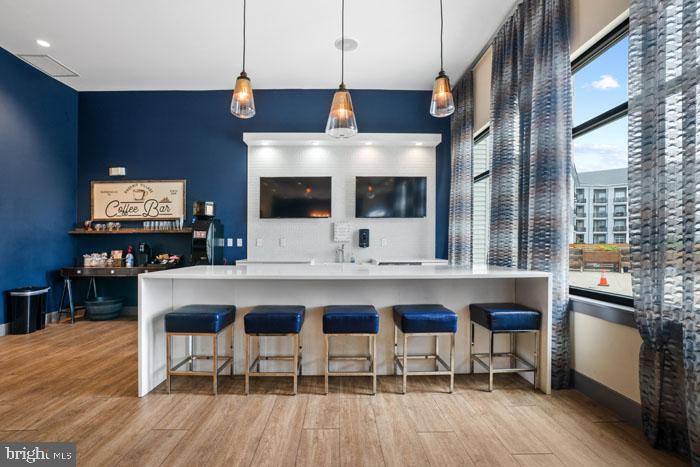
(318,285)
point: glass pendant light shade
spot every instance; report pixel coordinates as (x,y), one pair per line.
(341,120)
(242,102)
(442,104)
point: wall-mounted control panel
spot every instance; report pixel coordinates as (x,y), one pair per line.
(364,238)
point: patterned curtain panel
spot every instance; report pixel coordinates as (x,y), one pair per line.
(664,209)
(531,170)
(459,245)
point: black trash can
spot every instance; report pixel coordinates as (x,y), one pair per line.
(27,309)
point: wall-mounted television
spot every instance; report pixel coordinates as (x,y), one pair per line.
(295,197)
(390,196)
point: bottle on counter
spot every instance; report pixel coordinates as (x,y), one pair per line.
(130,257)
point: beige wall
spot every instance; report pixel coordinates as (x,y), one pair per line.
(607,352)
(590,20)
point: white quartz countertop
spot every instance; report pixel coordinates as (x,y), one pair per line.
(337,271)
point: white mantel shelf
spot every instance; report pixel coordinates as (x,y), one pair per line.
(428,140)
(316,286)
(341,271)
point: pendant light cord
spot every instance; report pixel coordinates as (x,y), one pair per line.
(244,5)
(441,34)
(342,43)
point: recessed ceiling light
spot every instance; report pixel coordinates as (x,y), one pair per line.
(315,143)
(368,143)
(350,44)
(43,43)
(419,143)
(265,143)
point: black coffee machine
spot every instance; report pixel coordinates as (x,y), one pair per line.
(207,235)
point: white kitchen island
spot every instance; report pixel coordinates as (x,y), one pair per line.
(316,286)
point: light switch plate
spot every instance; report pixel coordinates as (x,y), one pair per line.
(283,242)
(229,242)
(239,242)
(258,242)
(384,242)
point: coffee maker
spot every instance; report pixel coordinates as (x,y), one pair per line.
(207,235)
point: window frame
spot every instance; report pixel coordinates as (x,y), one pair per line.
(619,111)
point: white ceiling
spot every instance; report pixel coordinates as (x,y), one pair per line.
(196,44)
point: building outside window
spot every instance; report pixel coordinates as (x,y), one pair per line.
(600,171)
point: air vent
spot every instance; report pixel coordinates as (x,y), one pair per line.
(48,65)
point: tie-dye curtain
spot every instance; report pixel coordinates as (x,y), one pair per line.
(664,211)
(531,166)
(460,231)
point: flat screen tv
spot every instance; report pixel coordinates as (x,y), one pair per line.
(390,196)
(295,197)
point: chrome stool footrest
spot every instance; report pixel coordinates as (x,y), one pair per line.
(370,358)
(401,360)
(253,369)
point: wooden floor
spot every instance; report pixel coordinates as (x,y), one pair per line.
(78,383)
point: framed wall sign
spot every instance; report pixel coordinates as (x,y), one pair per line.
(137,200)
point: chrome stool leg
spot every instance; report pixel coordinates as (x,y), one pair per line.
(215,362)
(490,361)
(374,364)
(296,363)
(452,363)
(168,364)
(246,362)
(404,370)
(326,363)
(471,350)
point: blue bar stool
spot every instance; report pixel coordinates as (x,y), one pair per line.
(505,318)
(199,320)
(351,320)
(424,320)
(273,320)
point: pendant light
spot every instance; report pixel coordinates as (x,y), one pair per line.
(242,102)
(442,104)
(341,120)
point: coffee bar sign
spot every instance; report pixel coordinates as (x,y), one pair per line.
(137,200)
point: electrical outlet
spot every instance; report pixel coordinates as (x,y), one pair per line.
(239,242)
(283,242)
(258,242)
(229,242)
(385,242)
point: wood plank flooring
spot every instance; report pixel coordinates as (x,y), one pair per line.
(78,383)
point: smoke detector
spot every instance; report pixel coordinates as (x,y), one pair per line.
(349,45)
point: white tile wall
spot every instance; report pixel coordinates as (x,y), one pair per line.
(313,238)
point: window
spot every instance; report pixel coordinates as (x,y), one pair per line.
(600,170)
(481,198)
(620,211)
(600,196)
(620,195)
(580,196)
(580,225)
(620,225)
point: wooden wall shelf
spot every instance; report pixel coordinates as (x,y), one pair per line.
(122,231)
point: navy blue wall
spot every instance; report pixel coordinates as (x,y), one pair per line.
(38,163)
(192,135)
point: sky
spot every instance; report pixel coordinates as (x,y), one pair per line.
(600,86)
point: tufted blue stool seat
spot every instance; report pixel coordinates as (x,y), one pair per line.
(350,319)
(199,320)
(275,319)
(424,320)
(505,316)
(414,319)
(196,319)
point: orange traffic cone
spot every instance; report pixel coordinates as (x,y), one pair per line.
(603,282)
